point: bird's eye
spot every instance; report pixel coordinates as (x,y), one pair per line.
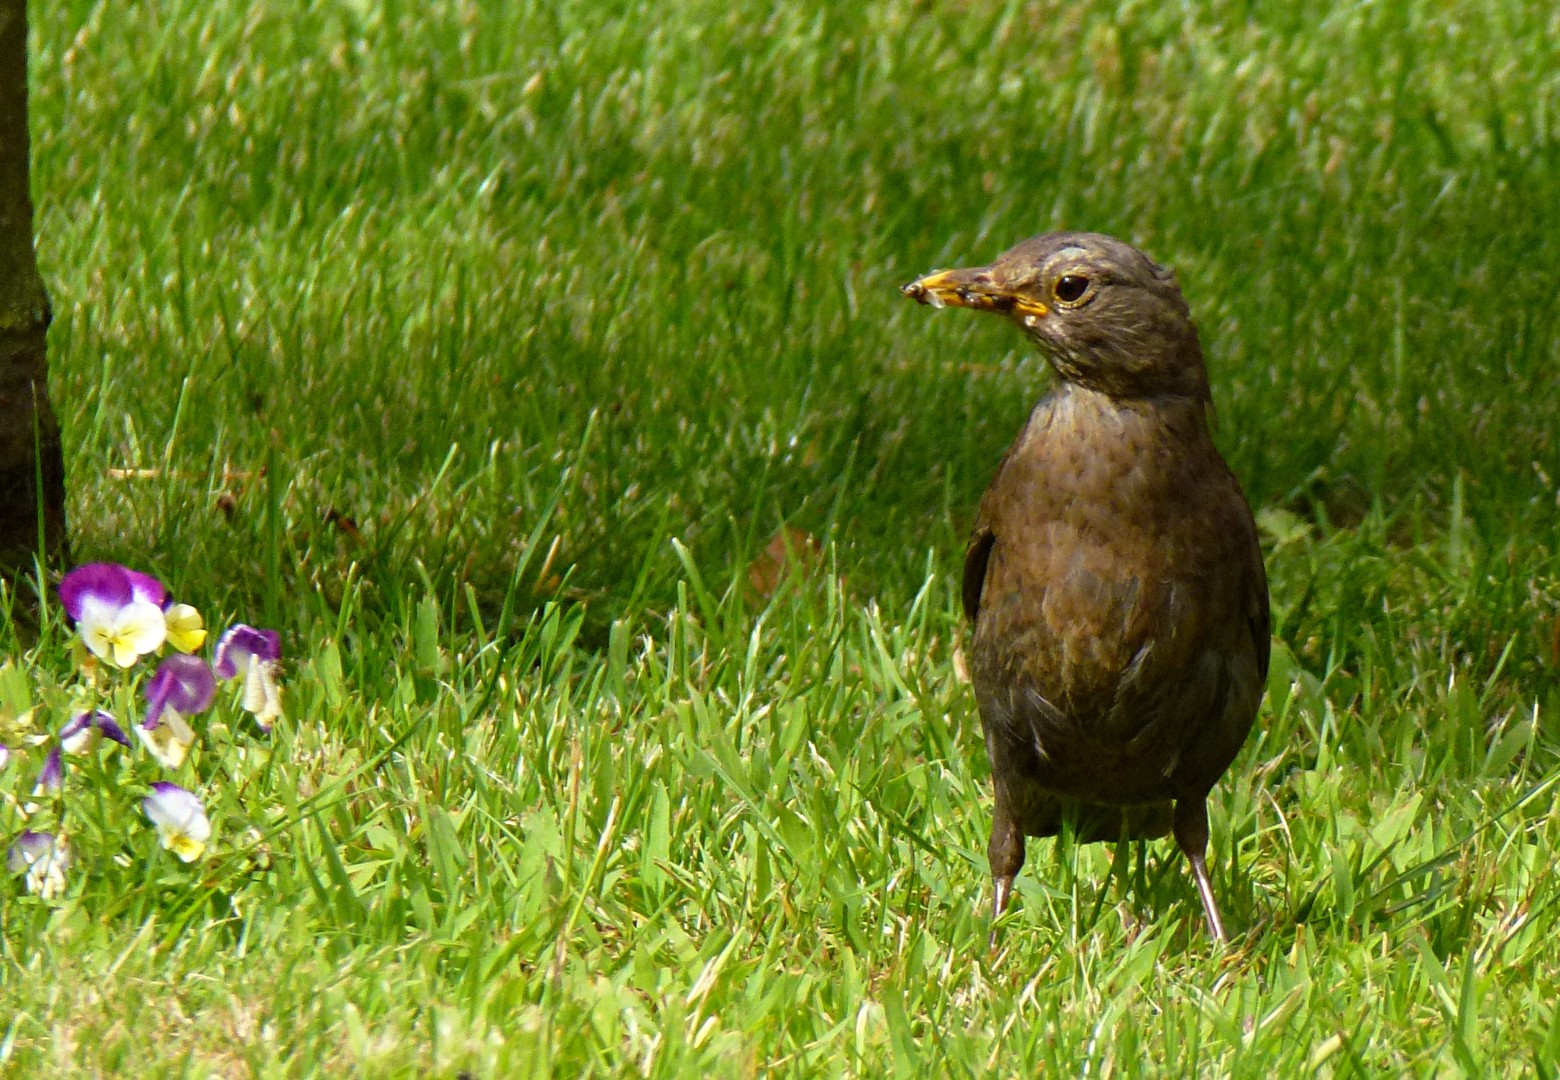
(1070,287)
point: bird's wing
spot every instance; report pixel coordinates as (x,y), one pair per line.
(1259,613)
(1260,617)
(976,555)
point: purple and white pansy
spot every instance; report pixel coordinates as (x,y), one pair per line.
(83,729)
(182,686)
(252,655)
(44,859)
(182,824)
(121,616)
(117,611)
(51,778)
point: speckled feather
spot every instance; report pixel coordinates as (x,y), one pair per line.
(1120,608)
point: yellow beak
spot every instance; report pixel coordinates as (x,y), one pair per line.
(972,288)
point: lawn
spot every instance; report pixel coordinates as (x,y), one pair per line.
(483,349)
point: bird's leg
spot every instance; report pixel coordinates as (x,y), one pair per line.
(1191,833)
(1006,852)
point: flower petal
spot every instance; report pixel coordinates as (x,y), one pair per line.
(144,626)
(82,729)
(110,728)
(52,777)
(109,583)
(123,634)
(261,697)
(241,642)
(185,846)
(98,621)
(44,859)
(171,804)
(186,630)
(169,742)
(47,877)
(182,824)
(181,682)
(77,733)
(27,849)
(146,588)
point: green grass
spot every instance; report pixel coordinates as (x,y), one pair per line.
(481,347)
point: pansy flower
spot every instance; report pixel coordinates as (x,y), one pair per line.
(83,729)
(250,654)
(51,781)
(186,629)
(182,686)
(51,778)
(181,820)
(117,611)
(44,859)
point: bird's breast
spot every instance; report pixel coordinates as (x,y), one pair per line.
(1121,547)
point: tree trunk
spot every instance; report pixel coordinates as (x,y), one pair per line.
(32,469)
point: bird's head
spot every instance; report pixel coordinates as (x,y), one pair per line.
(1104,314)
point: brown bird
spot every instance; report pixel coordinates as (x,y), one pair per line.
(1113,576)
